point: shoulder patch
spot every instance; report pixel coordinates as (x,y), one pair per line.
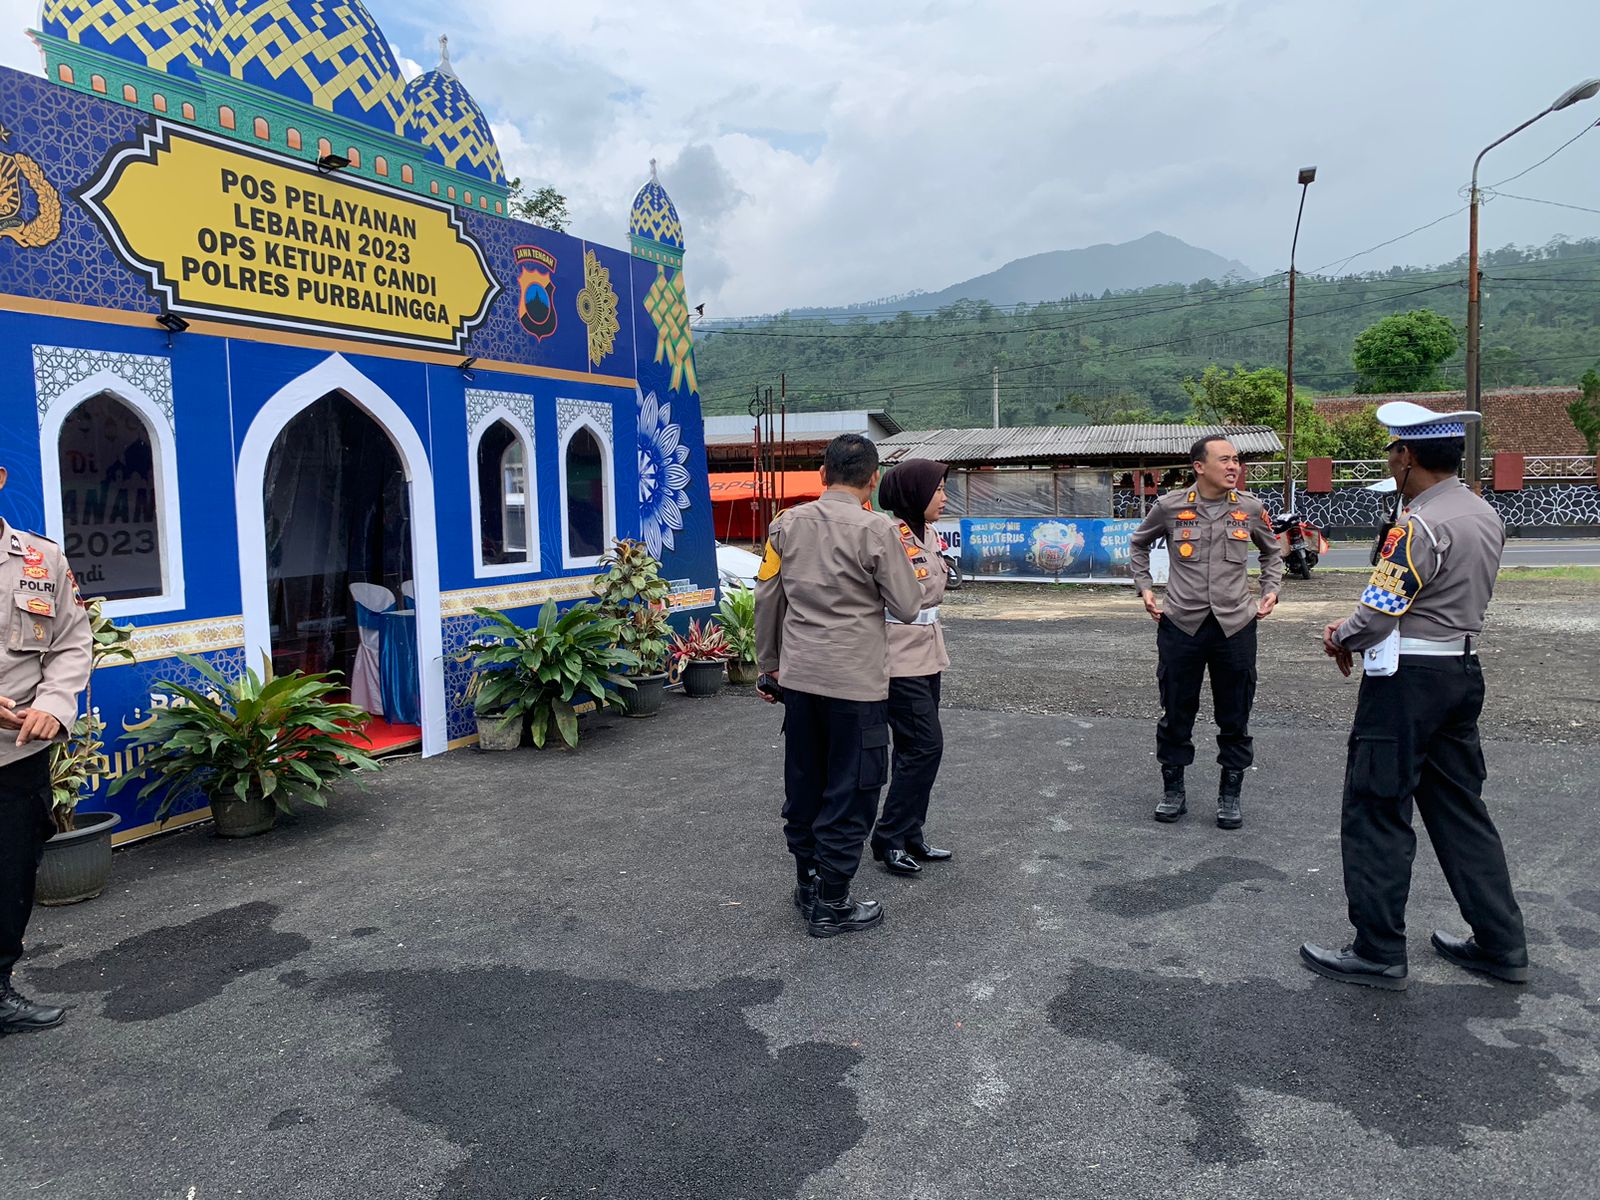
(1394,584)
(770,564)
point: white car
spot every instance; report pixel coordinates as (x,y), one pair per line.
(736,566)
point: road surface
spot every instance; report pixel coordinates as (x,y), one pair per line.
(1520,552)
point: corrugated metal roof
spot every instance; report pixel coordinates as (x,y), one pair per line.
(1064,443)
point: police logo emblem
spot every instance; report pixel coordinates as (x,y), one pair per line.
(1186,550)
(536,288)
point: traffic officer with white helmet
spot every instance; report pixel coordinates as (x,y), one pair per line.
(1415,737)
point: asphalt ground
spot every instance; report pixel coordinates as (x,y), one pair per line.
(1520,552)
(554,974)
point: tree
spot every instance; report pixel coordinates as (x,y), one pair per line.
(1358,435)
(1260,397)
(1402,353)
(1585,411)
(545,206)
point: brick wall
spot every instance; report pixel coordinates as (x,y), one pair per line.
(1525,420)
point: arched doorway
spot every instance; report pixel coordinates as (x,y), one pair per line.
(336,375)
(340,583)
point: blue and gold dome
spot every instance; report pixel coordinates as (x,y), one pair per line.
(654,218)
(443,116)
(152,33)
(328,53)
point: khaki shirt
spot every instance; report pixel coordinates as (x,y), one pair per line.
(1208,543)
(831,570)
(45,661)
(1435,572)
(919,649)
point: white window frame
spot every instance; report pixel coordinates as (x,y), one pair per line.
(163,440)
(520,426)
(596,417)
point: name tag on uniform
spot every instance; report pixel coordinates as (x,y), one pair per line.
(1384,658)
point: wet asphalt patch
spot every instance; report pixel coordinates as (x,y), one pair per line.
(1176,890)
(558,1086)
(1404,1065)
(176,967)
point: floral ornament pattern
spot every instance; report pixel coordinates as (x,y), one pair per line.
(597,308)
(663,479)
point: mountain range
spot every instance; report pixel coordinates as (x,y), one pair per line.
(1154,259)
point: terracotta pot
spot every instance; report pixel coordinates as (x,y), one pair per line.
(77,865)
(499,731)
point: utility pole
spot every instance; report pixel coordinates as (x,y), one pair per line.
(1474,446)
(994,407)
(1307,175)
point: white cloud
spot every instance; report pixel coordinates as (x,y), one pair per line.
(825,151)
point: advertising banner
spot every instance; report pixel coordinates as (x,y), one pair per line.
(1049,549)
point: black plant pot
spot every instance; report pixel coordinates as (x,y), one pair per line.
(644,698)
(77,865)
(702,677)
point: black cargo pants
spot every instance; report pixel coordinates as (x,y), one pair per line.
(25,826)
(1182,662)
(918,750)
(1415,738)
(835,761)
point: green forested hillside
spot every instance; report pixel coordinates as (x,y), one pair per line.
(1125,355)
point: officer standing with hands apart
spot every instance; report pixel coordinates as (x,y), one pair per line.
(1209,621)
(1415,736)
(44,664)
(831,571)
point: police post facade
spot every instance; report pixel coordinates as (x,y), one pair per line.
(285,380)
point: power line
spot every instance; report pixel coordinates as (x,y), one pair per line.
(1346,261)
(1547,157)
(1552,203)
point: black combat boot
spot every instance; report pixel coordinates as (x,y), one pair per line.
(1173,803)
(18,1014)
(835,911)
(1229,815)
(805,887)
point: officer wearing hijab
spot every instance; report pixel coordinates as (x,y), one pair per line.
(914,493)
(1415,737)
(44,664)
(832,569)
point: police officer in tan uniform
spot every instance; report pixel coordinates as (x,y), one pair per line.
(1208,624)
(914,493)
(832,569)
(1415,736)
(44,664)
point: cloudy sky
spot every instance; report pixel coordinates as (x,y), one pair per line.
(827,151)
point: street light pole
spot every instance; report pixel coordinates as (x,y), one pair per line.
(1474,448)
(1307,175)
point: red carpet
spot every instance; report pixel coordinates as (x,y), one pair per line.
(377,737)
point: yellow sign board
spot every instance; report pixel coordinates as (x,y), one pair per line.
(227,232)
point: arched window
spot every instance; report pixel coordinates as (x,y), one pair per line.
(587,504)
(505,503)
(188,111)
(64,73)
(293,136)
(354,156)
(159,102)
(110,502)
(98,83)
(407,175)
(324,147)
(380,165)
(130,93)
(263,130)
(225,117)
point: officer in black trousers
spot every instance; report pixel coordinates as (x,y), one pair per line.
(1207,625)
(44,664)
(1415,737)
(832,569)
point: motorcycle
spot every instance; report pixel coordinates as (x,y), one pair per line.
(1302,542)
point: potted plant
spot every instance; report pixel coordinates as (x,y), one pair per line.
(77,859)
(251,745)
(738,616)
(542,673)
(632,592)
(698,657)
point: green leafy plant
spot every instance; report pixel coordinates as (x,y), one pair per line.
(738,616)
(702,643)
(632,593)
(278,737)
(1585,411)
(543,671)
(76,761)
